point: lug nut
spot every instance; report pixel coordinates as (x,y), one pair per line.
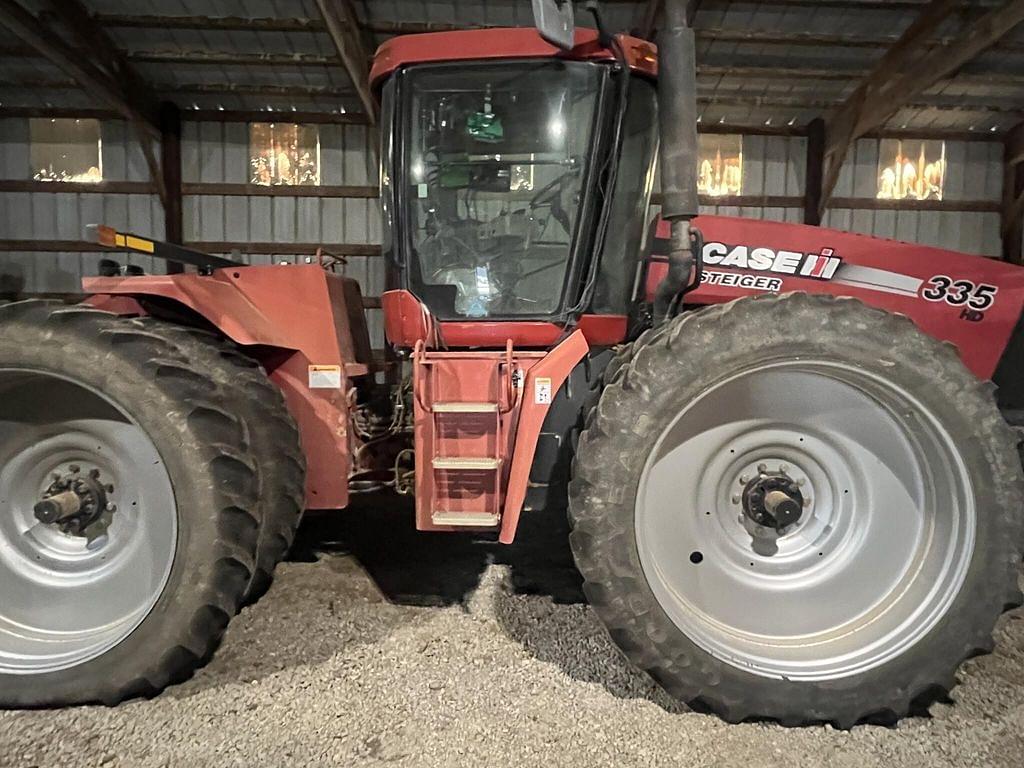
(94,473)
(743,479)
(762,468)
(111,507)
(783,467)
(75,469)
(736,499)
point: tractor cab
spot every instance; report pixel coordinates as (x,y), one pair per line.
(516,180)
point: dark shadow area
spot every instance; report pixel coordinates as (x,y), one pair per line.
(417,568)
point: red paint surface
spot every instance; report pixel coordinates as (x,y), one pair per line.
(980,343)
(507,43)
(407,321)
(469,377)
(290,318)
(510,434)
(556,366)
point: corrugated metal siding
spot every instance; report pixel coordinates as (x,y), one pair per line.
(215,152)
(64,215)
(772,166)
(974,171)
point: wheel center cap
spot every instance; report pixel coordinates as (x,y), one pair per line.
(773,500)
(74,501)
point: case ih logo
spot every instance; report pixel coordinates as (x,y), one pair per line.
(815,266)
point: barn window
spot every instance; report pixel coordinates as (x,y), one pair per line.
(720,164)
(911,170)
(284,153)
(65,150)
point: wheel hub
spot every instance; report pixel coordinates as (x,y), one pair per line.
(773,500)
(75,501)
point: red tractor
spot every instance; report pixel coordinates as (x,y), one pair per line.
(793,492)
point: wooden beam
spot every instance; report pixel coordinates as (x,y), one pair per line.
(280,190)
(267,116)
(719,129)
(905,71)
(1012,214)
(197,115)
(93,38)
(734,97)
(814,169)
(112,82)
(287,249)
(79,187)
(220,23)
(170,164)
(233,59)
(874,204)
(745,201)
(96,82)
(827,40)
(256,89)
(343,26)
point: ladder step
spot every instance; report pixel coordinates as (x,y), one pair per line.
(461,462)
(468,519)
(465,407)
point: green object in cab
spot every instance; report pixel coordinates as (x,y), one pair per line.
(485,126)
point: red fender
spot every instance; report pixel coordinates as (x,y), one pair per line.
(301,323)
(556,366)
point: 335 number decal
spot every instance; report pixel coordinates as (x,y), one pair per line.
(959,293)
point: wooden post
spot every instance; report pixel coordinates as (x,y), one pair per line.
(815,169)
(170,163)
(1012,217)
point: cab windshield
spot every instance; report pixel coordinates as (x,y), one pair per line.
(496,164)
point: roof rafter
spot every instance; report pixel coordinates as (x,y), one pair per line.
(906,70)
(343,27)
(107,77)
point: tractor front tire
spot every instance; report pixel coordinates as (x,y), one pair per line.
(128,493)
(798,508)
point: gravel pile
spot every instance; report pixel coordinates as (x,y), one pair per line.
(328,670)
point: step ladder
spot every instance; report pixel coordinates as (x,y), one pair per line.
(462,444)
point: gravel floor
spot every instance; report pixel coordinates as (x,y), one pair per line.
(382,647)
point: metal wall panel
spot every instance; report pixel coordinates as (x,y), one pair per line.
(974,171)
(218,152)
(64,215)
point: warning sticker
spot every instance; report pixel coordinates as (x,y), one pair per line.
(325,377)
(542,391)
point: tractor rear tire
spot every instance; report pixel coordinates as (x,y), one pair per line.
(898,554)
(135,595)
(273,436)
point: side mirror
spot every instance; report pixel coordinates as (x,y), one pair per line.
(554,21)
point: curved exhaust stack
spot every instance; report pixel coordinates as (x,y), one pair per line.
(677,105)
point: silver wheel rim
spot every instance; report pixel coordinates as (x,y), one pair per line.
(874,562)
(67,598)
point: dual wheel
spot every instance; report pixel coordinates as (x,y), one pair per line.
(797,508)
(150,480)
(790,507)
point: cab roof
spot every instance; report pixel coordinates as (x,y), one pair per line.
(503,43)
